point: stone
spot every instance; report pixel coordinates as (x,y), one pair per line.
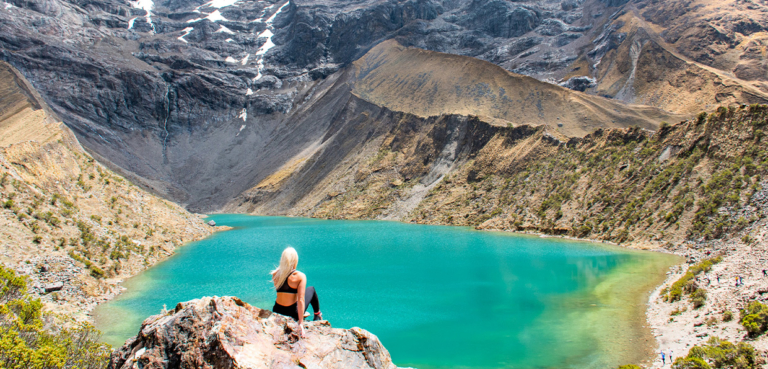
(580,83)
(52,287)
(225,332)
(212,223)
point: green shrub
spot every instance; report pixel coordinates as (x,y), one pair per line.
(629,366)
(676,291)
(718,354)
(25,343)
(96,272)
(690,363)
(727,316)
(698,298)
(755,318)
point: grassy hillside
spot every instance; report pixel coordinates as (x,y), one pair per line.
(66,219)
(691,180)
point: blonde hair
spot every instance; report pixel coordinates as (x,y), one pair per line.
(288,261)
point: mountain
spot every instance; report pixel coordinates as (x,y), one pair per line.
(203,103)
(70,224)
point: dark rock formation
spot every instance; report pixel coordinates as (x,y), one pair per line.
(224,332)
(200,101)
(581,83)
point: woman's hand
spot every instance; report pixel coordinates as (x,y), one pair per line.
(301,331)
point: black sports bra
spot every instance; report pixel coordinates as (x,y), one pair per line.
(285,288)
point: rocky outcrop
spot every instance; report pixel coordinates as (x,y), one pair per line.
(224,332)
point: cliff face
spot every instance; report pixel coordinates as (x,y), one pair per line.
(201,101)
(224,332)
(70,224)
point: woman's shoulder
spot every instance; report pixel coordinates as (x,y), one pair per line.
(298,274)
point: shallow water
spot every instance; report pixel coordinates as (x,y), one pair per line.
(437,297)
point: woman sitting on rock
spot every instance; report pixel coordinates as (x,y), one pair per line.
(293,295)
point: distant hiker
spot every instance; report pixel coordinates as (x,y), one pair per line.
(765,274)
(293,295)
(663,359)
(671,360)
(718,279)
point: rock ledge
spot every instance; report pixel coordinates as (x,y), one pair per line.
(225,332)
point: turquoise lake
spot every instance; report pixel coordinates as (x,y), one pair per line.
(437,297)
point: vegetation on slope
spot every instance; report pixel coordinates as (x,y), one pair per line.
(687,181)
(687,283)
(32,339)
(717,353)
(754,318)
(64,218)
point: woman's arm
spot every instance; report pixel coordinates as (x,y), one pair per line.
(300,303)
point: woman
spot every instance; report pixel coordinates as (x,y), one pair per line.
(293,295)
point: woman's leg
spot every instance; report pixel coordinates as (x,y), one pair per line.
(310,298)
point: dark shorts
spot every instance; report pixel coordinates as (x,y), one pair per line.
(290,310)
(310,297)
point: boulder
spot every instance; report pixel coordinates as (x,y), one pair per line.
(212,223)
(52,287)
(225,332)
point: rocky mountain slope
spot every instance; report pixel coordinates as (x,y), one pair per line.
(224,332)
(67,222)
(689,181)
(199,102)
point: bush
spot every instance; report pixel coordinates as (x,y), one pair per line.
(676,291)
(755,318)
(630,366)
(698,298)
(25,343)
(727,316)
(690,363)
(719,354)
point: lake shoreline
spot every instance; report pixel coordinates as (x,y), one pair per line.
(638,321)
(689,328)
(656,311)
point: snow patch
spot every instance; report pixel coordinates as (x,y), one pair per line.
(268,44)
(230,59)
(229,40)
(218,4)
(243,115)
(147,6)
(225,30)
(130,22)
(213,17)
(272,18)
(8,6)
(216,16)
(186,33)
(249,92)
(245,60)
